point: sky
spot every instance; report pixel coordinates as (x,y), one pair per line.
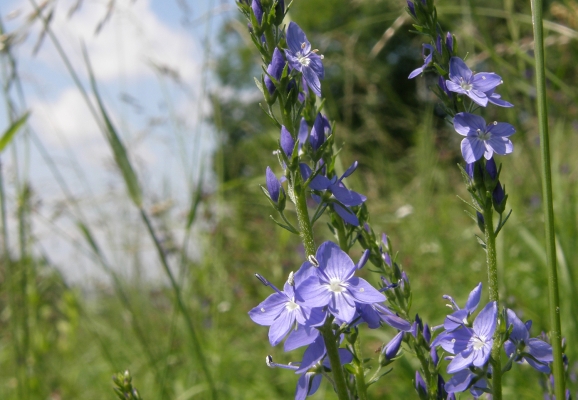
(152,60)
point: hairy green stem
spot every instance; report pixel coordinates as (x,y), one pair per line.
(359,371)
(333,354)
(491,259)
(541,103)
(181,305)
(306,234)
(305,230)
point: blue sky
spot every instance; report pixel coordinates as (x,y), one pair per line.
(159,117)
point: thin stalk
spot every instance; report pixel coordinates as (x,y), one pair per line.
(177,290)
(333,354)
(305,230)
(541,104)
(306,234)
(491,259)
(359,371)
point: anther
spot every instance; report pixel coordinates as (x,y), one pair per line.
(303,45)
(291,279)
(495,122)
(263,280)
(313,260)
(269,361)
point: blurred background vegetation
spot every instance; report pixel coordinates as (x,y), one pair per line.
(64,340)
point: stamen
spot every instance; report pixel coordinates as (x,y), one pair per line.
(291,279)
(313,260)
(303,45)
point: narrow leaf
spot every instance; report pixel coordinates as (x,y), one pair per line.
(12,130)
(119,151)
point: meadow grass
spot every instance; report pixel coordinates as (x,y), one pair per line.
(63,341)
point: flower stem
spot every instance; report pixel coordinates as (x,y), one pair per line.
(491,260)
(553,296)
(359,371)
(333,354)
(305,229)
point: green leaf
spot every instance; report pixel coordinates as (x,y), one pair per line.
(12,130)
(118,149)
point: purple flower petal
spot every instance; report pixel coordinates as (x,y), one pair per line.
(472,149)
(312,80)
(287,142)
(467,124)
(459,69)
(281,327)
(334,262)
(459,382)
(363,292)
(300,337)
(501,129)
(269,309)
(485,322)
(486,81)
(474,298)
(295,37)
(346,214)
(273,185)
(540,350)
(312,355)
(312,293)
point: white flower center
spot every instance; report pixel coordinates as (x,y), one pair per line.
(484,135)
(478,343)
(335,285)
(291,305)
(466,85)
(303,59)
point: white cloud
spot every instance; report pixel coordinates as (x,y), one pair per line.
(132,38)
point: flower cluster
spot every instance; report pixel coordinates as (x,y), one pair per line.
(323,291)
(470,343)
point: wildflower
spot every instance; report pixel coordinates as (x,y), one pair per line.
(346,198)
(471,346)
(534,351)
(475,86)
(333,285)
(273,185)
(286,141)
(257,10)
(390,350)
(411,7)
(427,60)
(303,59)
(275,69)
(312,367)
(460,315)
(481,139)
(465,379)
(281,312)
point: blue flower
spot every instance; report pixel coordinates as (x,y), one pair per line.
(536,352)
(346,198)
(312,367)
(481,139)
(471,346)
(303,59)
(273,185)
(427,61)
(281,312)
(275,69)
(465,379)
(286,141)
(478,87)
(333,285)
(460,316)
(257,10)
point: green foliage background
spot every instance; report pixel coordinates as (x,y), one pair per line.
(69,343)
